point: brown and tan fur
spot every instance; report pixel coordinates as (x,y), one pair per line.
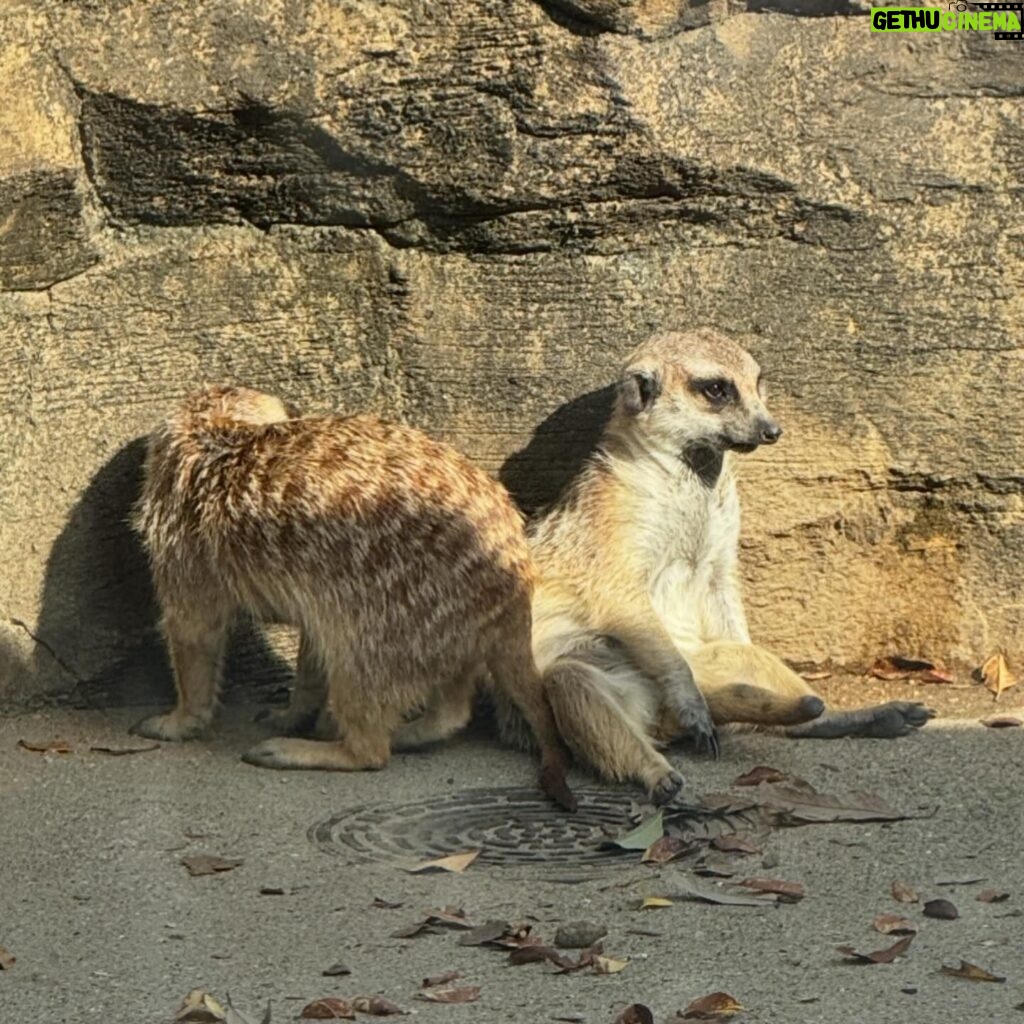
(405,567)
(639,626)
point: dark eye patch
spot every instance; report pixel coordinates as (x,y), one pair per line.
(717,390)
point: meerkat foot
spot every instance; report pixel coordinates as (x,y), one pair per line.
(290,721)
(286,752)
(174,726)
(663,791)
(695,718)
(884,721)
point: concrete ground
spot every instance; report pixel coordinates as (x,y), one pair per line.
(107,925)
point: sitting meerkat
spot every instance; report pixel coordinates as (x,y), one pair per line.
(406,568)
(639,627)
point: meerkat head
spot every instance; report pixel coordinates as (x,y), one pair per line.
(696,389)
(242,405)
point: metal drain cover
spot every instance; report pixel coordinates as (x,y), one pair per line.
(511,827)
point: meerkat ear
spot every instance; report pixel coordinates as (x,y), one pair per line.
(640,389)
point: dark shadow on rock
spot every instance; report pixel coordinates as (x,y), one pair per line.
(537,474)
(98,639)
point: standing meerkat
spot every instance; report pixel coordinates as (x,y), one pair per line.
(405,567)
(639,627)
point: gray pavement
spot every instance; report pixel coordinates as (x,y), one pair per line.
(107,925)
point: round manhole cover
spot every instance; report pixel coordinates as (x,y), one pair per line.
(509,826)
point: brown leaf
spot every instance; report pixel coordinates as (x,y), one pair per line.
(271,890)
(448,917)
(804,805)
(904,893)
(943,910)
(455,863)
(733,842)
(992,896)
(788,892)
(667,848)
(484,934)
(899,667)
(122,751)
(376,1006)
(971,972)
(1002,722)
(893,924)
(46,747)
(336,970)
(635,1013)
(579,934)
(879,956)
(996,675)
(758,774)
(464,994)
(716,1006)
(329,1008)
(382,904)
(207,864)
(440,979)
(7,959)
(534,954)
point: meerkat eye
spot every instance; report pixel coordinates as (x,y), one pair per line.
(716,390)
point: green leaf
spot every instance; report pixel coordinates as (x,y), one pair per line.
(649,831)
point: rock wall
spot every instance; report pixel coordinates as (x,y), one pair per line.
(463,214)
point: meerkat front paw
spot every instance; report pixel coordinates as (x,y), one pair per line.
(666,787)
(172,727)
(695,718)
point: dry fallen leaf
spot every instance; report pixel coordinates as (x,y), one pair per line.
(50,747)
(484,934)
(579,934)
(440,979)
(758,774)
(7,959)
(448,917)
(376,1006)
(654,902)
(121,751)
(893,924)
(382,904)
(904,893)
(879,956)
(456,863)
(695,889)
(667,848)
(328,1009)
(992,896)
(207,864)
(791,804)
(336,970)
(971,972)
(716,1006)
(733,842)
(464,994)
(608,965)
(788,892)
(199,1007)
(643,837)
(899,667)
(1002,722)
(942,910)
(996,675)
(636,1013)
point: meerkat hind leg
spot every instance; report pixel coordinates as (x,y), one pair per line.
(747,702)
(196,647)
(448,712)
(305,714)
(882,721)
(599,732)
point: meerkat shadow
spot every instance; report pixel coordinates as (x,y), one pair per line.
(537,474)
(99,642)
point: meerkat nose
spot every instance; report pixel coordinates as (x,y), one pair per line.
(770,433)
